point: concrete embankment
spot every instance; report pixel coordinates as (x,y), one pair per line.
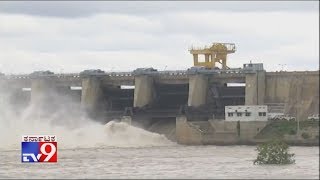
(221,132)
(166,127)
(214,132)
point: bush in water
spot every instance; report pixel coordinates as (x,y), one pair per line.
(274,152)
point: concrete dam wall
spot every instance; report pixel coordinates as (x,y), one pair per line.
(299,91)
(167,95)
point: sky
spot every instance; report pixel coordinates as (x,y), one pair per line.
(72,36)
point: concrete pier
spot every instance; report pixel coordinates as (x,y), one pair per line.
(144,91)
(91,94)
(185,134)
(198,87)
(255,88)
(43,91)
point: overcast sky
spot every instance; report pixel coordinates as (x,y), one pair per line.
(122,36)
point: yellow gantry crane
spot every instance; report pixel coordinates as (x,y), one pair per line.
(217,53)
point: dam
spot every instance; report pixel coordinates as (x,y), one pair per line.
(157,100)
(167,94)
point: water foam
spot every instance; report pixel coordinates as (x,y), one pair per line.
(122,134)
(71,126)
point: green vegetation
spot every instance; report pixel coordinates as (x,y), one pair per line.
(305,135)
(309,123)
(292,132)
(277,129)
(274,152)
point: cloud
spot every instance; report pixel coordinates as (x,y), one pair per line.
(84,8)
(124,41)
(76,61)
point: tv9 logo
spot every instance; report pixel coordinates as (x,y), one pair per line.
(39,149)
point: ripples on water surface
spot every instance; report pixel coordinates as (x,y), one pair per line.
(162,162)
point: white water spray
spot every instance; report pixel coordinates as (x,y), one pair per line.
(71,126)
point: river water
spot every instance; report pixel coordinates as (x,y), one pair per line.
(87,149)
(174,161)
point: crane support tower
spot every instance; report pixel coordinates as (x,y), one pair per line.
(217,53)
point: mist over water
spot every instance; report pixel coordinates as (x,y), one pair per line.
(73,128)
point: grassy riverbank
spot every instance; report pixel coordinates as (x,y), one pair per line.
(280,129)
